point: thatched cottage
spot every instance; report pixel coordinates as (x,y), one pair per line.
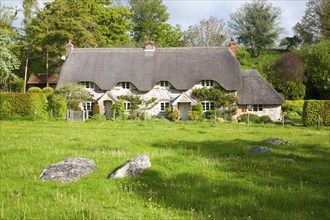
(168,74)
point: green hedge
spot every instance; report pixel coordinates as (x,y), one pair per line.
(316,112)
(26,106)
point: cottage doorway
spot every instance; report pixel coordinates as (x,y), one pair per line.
(107,108)
(184,108)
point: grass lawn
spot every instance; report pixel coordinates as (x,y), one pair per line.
(199,171)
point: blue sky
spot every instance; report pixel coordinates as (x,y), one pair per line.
(190,12)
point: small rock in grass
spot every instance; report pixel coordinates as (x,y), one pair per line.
(276,141)
(290,160)
(132,167)
(259,149)
(68,170)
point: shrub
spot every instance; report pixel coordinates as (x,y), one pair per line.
(96,109)
(196,114)
(220,120)
(99,117)
(265,119)
(47,90)
(175,115)
(212,114)
(118,110)
(295,106)
(316,112)
(34,90)
(57,105)
(251,118)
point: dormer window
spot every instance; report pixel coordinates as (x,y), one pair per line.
(207,83)
(164,84)
(88,85)
(126,85)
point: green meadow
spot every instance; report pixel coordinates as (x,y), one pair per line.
(199,171)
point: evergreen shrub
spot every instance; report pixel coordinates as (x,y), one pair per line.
(265,119)
(293,106)
(47,90)
(34,90)
(96,109)
(251,117)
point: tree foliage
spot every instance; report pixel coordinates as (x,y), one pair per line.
(150,23)
(75,94)
(89,23)
(208,32)
(317,64)
(315,24)
(8,61)
(7,16)
(256,26)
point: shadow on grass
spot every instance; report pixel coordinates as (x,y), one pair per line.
(243,184)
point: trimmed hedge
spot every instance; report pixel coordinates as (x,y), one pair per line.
(28,106)
(316,112)
(34,90)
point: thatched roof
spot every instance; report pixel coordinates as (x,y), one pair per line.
(41,79)
(255,90)
(182,67)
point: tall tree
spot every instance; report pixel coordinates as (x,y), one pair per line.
(89,23)
(149,20)
(256,25)
(8,61)
(315,24)
(208,32)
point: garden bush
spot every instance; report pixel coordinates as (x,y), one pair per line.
(212,114)
(99,117)
(47,90)
(175,115)
(293,106)
(34,90)
(265,119)
(316,112)
(196,114)
(251,118)
(118,110)
(57,105)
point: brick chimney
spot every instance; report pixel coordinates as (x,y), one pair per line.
(232,45)
(68,47)
(149,45)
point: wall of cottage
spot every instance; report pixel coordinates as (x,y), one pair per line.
(273,111)
(162,95)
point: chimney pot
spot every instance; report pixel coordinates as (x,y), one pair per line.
(68,47)
(232,45)
(149,45)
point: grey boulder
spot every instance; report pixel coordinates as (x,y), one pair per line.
(132,167)
(276,141)
(68,170)
(259,149)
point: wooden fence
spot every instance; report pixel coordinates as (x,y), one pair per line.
(77,115)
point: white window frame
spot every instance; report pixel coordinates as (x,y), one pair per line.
(208,106)
(164,106)
(89,85)
(126,85)
(257,108)
(164,84)
(88,106)
(127,106)
(208,83)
